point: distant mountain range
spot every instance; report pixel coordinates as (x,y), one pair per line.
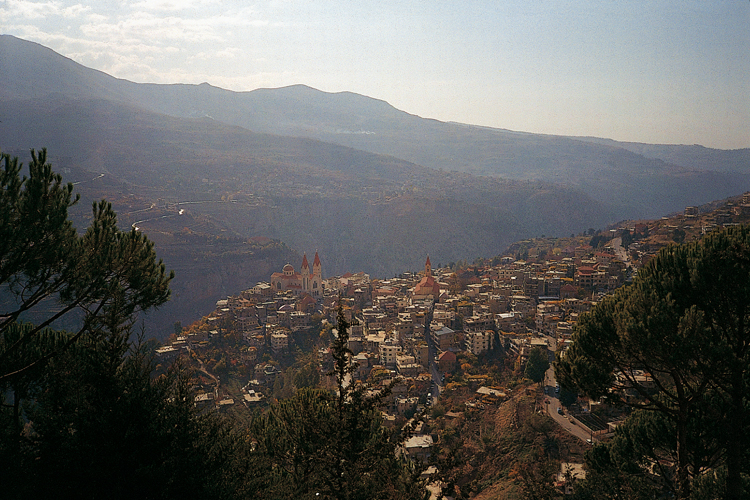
(370,187)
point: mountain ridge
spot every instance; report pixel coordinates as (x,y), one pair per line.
(300,110)
(371,187)
(636,180)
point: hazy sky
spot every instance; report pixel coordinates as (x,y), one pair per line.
(646,71)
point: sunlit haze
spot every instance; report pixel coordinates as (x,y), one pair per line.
(645,71)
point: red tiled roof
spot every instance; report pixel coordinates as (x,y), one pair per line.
(447,356)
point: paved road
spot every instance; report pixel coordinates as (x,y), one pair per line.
(551,395)
(620,252)
(565,421)
(436,385)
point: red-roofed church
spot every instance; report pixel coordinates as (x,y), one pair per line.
(304,281)
(427,286)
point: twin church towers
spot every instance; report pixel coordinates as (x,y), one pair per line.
(304,281)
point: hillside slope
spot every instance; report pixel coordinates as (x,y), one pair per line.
(363,211)
(635,180)
(368,186)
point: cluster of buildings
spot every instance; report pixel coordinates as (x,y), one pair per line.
(415,325)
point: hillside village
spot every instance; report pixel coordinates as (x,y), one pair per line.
(456,338)
(383,361)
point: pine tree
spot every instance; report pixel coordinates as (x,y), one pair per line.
(100,427)
(44,262)
(679,337)
(322,445)
(537,364)
(85,419)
